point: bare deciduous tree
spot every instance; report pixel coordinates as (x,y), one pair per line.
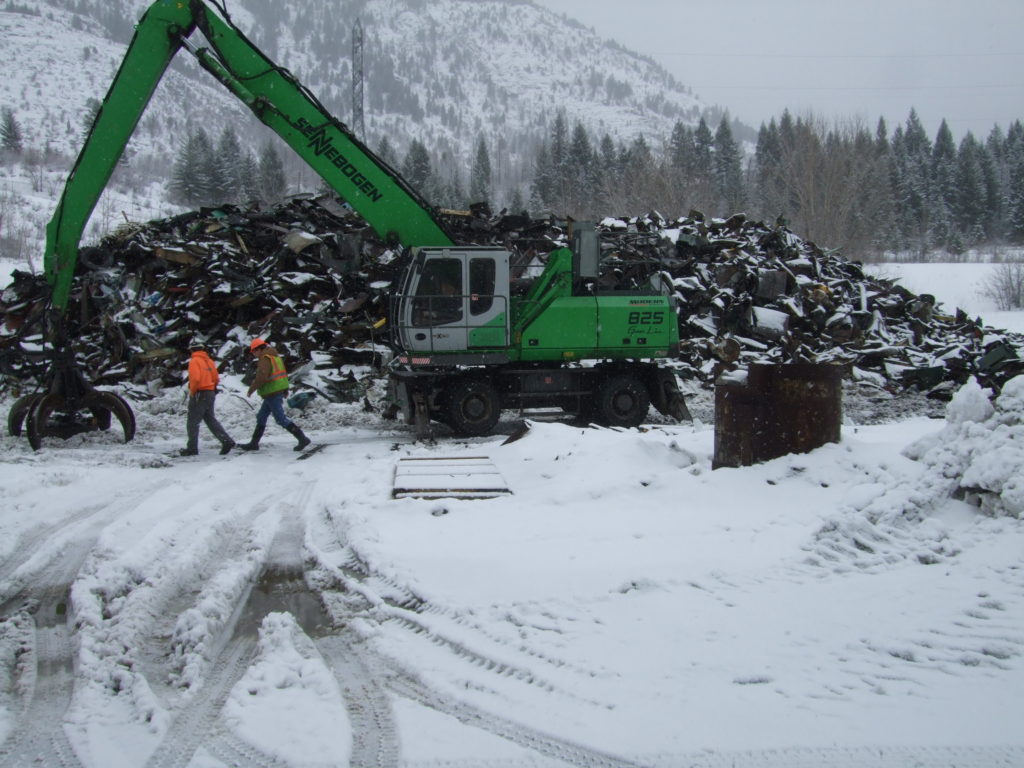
(1005,285)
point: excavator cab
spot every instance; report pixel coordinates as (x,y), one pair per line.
(452,301)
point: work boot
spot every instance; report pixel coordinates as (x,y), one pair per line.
(188,452)
(254,443)
(226,446)
(303,440)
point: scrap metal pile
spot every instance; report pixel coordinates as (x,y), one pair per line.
(311,276)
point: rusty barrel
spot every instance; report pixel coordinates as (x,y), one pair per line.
(778,409)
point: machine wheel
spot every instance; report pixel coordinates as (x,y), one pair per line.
(622,401)
(19,411)
(473,406)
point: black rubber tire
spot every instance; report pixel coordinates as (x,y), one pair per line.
(19,411)
(622,401)
(473,407)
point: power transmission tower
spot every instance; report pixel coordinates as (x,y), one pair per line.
(358,120)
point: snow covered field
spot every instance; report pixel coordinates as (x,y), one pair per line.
(955,285)
(626,605)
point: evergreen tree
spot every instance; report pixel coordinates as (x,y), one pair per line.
(249,178)
(272,180)
(416,169)
(1015,183)
(639,176)
(885,231)
(680,149)
(993,201)
(386,152)
(206,171)
(542,186)
(92,109)
(882,137)
(452,194)
(191,179)
(558,158)
(10,132)
(227,168)
(480,175)
(516,204)
(969,191)
(728,169)
(703,151)
(607,174)
(912,187)
(943,198)
(769,173)
(581,171)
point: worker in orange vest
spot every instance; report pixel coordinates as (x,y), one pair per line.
(271,383)
(202,391)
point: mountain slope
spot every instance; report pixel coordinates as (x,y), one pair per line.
(445,72)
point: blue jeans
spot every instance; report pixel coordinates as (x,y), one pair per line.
(273,405)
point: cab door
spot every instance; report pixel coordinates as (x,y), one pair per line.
(487,275)
(455,300)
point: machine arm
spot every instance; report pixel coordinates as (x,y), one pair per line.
(394,210)
(150,52)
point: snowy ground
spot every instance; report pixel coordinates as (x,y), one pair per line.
(955,285)
(626,605)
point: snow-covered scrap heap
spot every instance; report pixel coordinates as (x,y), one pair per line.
(312,276)
(749,292)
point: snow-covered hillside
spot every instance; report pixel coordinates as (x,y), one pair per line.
(60,60)
(447,73)
(624,606)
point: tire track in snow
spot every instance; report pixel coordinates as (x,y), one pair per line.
(374,731)
(280,587)
(33,541)
(570,753)
(38,736)
(357,601)
(881,756)
(189,729)
(176,596)
(231,751)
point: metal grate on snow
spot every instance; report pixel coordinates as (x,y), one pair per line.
(448,477)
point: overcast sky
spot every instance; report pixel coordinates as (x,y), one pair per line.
(962,60)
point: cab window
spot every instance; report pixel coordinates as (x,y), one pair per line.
(481,285)
(438,298)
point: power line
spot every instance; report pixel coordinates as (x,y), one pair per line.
(737,55)
(971,87)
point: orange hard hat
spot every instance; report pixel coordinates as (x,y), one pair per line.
(256,344)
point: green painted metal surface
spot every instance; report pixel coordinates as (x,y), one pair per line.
(395,211)
(150,52)
(493,335)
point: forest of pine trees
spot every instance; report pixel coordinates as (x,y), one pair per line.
(205,174)
(841,185)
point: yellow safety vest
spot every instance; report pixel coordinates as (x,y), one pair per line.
(278,380)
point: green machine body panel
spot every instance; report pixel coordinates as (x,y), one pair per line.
(601,327)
